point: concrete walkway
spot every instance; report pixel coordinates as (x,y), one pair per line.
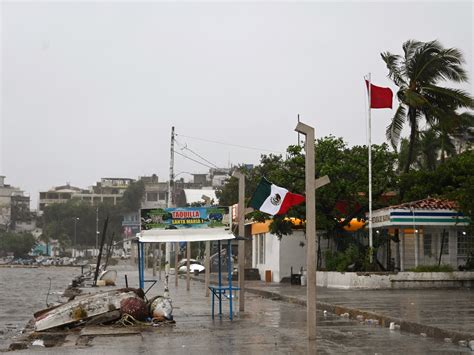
(442,313)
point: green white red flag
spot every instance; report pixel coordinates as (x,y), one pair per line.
(273,199)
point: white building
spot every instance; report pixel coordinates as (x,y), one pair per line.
(276,258)
(429,231)
(12,201)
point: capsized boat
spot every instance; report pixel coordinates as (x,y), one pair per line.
(83,308)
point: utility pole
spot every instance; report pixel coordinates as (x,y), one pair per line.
(308,131)
(170,202)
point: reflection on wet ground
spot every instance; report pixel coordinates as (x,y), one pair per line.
(450,309)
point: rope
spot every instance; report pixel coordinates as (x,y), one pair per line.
(129,321)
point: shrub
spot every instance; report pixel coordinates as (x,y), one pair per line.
(340,261)
(469,266)
(432,268)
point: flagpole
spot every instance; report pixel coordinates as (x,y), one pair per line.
(369,136)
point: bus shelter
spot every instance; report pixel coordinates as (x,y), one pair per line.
(190,224)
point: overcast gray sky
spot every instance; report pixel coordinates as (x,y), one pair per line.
(91,89)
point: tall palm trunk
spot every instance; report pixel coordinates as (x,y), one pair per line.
(413,137)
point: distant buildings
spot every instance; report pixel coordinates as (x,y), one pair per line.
(156,193)
(15,212)
(107,190)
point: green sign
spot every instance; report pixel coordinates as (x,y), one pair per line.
(186,217)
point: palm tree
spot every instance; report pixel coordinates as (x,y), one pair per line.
(417,75)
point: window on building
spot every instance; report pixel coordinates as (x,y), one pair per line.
(42,195)
(152,196)
(261,248)
(465,244)
(162,196)
(427,242)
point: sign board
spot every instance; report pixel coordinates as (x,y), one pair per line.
(184,218)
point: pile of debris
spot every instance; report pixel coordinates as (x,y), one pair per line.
(122,306)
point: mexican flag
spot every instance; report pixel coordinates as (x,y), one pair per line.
(273,199)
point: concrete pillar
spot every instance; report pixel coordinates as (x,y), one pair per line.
(417,245)
(176,260)
(241,256)
(207,265)
(159,261)
(188,256)
(402,250)
(154,259)
(453,247)
(397,253)
(310,228)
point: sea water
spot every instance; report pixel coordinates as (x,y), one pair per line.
(23,291)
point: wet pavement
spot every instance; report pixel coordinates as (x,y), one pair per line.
(449,309)
(265,326)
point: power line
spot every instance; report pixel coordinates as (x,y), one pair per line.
(232,145)
(194,160)
(185,146)
(207,161)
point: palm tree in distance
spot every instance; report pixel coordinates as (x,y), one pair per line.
(417,75)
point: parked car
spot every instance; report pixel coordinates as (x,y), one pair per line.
(194,266)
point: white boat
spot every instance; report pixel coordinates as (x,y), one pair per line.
(82,308)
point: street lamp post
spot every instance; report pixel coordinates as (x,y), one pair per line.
(75,235)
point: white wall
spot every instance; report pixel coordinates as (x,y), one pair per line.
(280,255)
(292,254)
(272,252)
(401,280)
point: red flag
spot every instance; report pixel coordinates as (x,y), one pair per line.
(380,97)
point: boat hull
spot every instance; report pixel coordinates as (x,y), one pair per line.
(82,308)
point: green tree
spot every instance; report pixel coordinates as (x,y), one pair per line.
(58,222)
(347,169)
(20,244)
(417,75)
(133,196)
(452,179)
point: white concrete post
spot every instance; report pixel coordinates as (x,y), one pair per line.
(207,265)
(241,257)
(310,228)
(176,260)
(401,235)
(397,253)
(417,246)
(154,260)
(188,263)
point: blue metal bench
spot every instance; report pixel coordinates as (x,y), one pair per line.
(218,292)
